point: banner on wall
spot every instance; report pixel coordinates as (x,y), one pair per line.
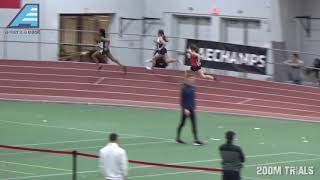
(14,4)
(231,57)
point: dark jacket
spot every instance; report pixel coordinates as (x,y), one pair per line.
(232,157)
(188,97)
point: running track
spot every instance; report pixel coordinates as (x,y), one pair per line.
(74,82)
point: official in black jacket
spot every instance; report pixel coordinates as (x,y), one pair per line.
(232,158)
(188,107)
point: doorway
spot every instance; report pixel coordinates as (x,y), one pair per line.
(69,26)
(242,31)
(191,27)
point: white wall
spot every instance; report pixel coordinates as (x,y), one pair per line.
(276,17)
(284,31)
(288,29)
(244,9)
(289,9)
(6,16)
(312,43)
(49,19)
(249,8)
(291,31)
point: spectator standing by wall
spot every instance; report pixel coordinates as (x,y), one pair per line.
(316,65)
(295,70)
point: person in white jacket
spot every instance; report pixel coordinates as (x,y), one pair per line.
(113,160)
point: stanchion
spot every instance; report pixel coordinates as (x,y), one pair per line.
(74,165)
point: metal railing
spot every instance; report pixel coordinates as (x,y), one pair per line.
(4,41)
(131,34)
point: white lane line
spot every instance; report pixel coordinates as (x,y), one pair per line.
(242,177)
(155,81)
(138,167)
(162,174)
(36,166)
(79,129)
(309,154)
(50,175)
(180,163)
(138,144)
(80,148)
(167,75)
(282,162)
(63,142)
(245,101)
(215,160)
(87,172)
(157,105)
(132,177)
(161,89)
(148,95)
(289,85)
(59,142)
(201,161)
(18,172)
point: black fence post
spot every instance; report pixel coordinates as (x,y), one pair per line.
(74,165)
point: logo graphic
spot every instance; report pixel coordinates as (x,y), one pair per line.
(28,17)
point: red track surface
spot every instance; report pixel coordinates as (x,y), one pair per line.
(74,82)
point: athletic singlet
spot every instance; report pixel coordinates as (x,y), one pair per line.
(102,43)
(160,45)
(194,60)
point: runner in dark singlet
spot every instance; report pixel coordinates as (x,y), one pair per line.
(161,51)
(104,50)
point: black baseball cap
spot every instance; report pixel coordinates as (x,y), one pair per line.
(230,135)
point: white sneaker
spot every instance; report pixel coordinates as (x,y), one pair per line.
(148,67)
(198,143)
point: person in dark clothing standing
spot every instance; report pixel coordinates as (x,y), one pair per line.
(232,158)
(188,109)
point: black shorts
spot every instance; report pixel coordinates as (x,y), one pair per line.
(104,51)
(162,51)
(195,68)
(231,175)
(161,63)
